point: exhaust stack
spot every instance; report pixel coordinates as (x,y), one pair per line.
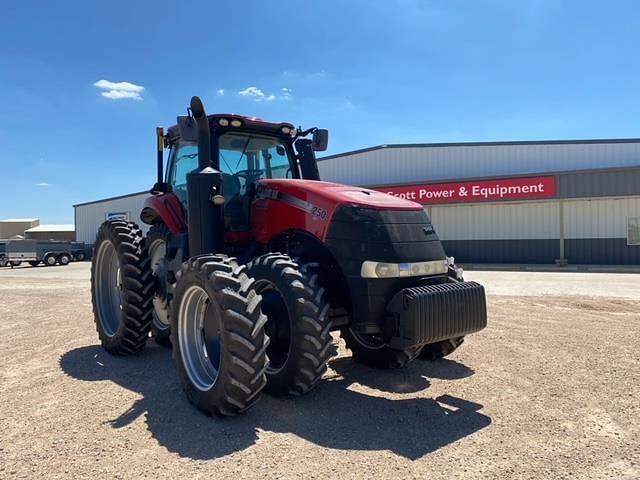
(204,191)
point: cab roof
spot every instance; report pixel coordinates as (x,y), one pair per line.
(254,124)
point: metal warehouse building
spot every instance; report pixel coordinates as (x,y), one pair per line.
(494,202)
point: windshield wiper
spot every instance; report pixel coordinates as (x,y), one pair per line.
(243,152)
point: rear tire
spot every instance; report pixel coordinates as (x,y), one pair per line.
(80,257)
(15,263)
(372,351)
(156,244)
(3,262)
(121,288)
(219,343)
(34,263)
(64,259)
(50,260)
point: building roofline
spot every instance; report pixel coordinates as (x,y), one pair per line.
(482,144)
(54,227)
(110,198)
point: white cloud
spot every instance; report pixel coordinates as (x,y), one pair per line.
(119,90)
(258,95)
(220,92)
(286,93)
(252,92)
(43,184)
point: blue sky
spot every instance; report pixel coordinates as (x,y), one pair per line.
(373,72)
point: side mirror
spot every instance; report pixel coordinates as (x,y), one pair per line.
(188,129)
(320,140)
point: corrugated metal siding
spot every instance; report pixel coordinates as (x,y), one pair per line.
(435,163)
(496,221)
(602,218)
(602,251)
(90,217)
(503,251)
(595,231)
(599,184)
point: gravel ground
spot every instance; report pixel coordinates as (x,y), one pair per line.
(551,389)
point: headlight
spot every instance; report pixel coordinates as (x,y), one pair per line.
(286,130)
(223,122)
(395,270)
(236,123)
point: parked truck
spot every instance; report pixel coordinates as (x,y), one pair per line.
(34,252)
(3,257)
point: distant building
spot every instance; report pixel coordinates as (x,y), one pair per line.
(12,227)
(575,201)
(51,232)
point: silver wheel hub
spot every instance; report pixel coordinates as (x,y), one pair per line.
(157,259)
(198,338)
(108,288)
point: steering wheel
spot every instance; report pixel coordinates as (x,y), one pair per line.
(250,176)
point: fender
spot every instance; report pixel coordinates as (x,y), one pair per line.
(166,208)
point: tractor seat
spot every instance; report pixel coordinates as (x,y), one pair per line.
(230,186)
(236,208)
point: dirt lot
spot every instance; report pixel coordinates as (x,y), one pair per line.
(550,390)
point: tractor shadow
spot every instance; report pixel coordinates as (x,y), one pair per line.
(333,415)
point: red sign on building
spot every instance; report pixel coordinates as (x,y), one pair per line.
(529,188)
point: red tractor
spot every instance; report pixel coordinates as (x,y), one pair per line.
(251,262)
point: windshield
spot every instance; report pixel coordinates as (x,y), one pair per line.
(254,156)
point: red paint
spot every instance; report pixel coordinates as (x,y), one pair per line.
(479,191)
(170,211)
(270,217)
(237,237)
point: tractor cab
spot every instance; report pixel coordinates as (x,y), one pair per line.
(243,158)
(239,151)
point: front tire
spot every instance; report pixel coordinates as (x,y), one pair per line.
(50,260)
(372,351)
(298,324)
(217,333)
(121,288)
(64,259)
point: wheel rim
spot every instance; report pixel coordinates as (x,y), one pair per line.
(370,342)
(199,338)
(278,327)
(108,288)
(157,258)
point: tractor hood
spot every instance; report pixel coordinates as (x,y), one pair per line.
(336,194)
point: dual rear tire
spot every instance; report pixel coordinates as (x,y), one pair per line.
(217,334)
(121,288)
(219,344)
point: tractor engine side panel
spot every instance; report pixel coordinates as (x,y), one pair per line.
(168,209)
(277,209)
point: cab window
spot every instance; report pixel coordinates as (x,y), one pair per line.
(185,160)
(244,159)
